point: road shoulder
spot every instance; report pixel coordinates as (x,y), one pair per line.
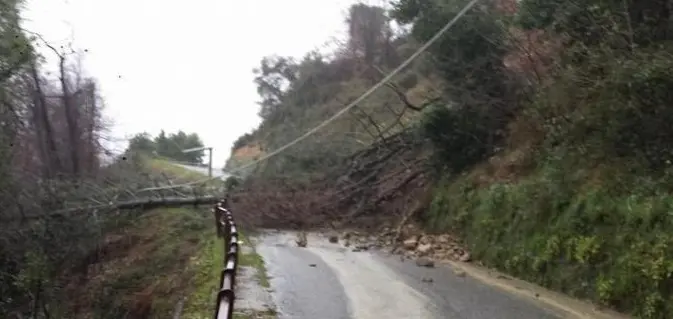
(253,299)
(572,307)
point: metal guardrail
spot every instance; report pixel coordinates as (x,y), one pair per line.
(226,229)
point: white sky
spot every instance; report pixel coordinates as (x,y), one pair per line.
(175,64)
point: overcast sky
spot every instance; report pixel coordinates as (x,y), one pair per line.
(170,64)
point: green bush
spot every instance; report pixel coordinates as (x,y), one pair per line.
(593,218)
(602,235)
(461,136)
(613,107)
(231,183)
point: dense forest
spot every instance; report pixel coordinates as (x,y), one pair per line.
(536,130)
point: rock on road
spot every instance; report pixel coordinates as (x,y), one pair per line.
(329,281)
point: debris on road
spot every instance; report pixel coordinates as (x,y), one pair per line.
(425,262)
(413,244)
(459,272)
(301,239)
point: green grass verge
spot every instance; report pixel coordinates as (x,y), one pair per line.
(173,170)
(179,174)
(208,264)
(146,267)
(601,235)
(154,260)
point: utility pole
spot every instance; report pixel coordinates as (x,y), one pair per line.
(210,157)
(210,162)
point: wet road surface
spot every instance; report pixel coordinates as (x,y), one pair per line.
(328,281)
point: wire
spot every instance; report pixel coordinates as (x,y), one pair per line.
(310,132)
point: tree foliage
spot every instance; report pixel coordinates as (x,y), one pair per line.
(595,130)
(169,146)
(50,149)
(478,95)
(298,94)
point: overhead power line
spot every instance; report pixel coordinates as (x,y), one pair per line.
(348,107)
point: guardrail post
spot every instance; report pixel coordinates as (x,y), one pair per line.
(228,232)
(218,217)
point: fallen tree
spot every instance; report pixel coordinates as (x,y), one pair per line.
(141,203)
(374,186)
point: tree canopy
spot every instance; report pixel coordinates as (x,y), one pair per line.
(169,146)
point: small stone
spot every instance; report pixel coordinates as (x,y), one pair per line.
(424,249)
(425,262)
(333,239)
(459,272)
(312,265)
(465,257)
(426,279)
(410,243)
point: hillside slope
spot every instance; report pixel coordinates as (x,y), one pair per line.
(542,140)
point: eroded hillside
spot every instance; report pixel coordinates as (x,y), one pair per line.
(537,133)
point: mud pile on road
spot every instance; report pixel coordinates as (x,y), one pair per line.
(374,200)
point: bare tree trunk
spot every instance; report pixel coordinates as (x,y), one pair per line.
(95,126)
(71,118)
(43,125)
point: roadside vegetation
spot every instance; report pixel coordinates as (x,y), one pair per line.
(151,264)
(155,264)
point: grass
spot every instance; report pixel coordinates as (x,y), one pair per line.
(207,264)
(152,261)
(147,267)
(155,260)
(600,234)
(173,170)
(179,175)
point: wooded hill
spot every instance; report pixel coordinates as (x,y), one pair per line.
(537,130)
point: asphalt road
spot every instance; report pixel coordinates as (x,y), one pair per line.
(328,281)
